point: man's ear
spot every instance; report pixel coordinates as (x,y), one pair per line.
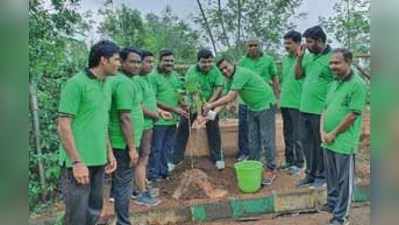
(103,60)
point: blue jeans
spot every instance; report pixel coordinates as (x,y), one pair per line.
(163,141)
(262,135)
(243,130)
(122,186)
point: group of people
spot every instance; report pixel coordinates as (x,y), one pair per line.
(123,117)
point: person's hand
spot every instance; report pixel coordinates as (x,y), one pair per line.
(81,173)
(182,112)
(329,137)
(200,121)
(165,115)
(206,108)
(134,157)
(111,166)
(300,51)
(231,107)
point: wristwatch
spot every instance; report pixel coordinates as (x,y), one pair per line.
(76,162)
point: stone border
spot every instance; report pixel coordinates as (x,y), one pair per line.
(236,208)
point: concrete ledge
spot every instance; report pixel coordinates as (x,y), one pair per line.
(277,202)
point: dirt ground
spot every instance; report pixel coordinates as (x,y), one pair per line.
(358,216)
(226,179)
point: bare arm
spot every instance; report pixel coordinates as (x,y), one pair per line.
(298,66)
(66,136)
(127,129)
(276,86)
(342,127)
(231,96)
(151,114)
(167,108)
(216,94)
(345,123)
(79,169)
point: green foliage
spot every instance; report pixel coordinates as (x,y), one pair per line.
(128,28)
(350,24)
(233,23)
(55,54)
(124,25)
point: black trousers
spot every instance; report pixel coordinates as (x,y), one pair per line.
(311,141)
(292,126)
(83,203)
(213,134)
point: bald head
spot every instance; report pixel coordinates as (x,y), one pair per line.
(253,47)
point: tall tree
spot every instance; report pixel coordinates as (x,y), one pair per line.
(350,24)
(268,20)
(123,25)
(207,26)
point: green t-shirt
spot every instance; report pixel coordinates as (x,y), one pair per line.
(126,96)
(87,100)
(344,97)
(263,65)
(149,100)
(318,78)
(166,88)
(291,88)
(252,89)
(206,82)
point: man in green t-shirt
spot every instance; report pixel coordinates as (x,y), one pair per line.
(317,79)
(125,128)
(82,127)
(260,100)
(341,129)
(264,65)
(151,113)
(167,86)
(290,100)
(204,84)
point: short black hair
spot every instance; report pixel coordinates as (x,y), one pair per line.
(346,53)
(146,53)
(293,35)
(125,53)
(101,49)
(223,58)
(315,33)
(204,53)
(165,52)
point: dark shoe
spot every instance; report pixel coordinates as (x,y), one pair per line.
(336,222)
(294,170)
(285,166)
(305,182)
(318,184)
(326,208)
(146,199)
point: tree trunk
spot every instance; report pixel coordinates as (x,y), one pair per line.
(36,133)
(207,26)
(226,38)
(238,23)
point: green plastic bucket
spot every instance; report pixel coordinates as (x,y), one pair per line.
(249,175)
